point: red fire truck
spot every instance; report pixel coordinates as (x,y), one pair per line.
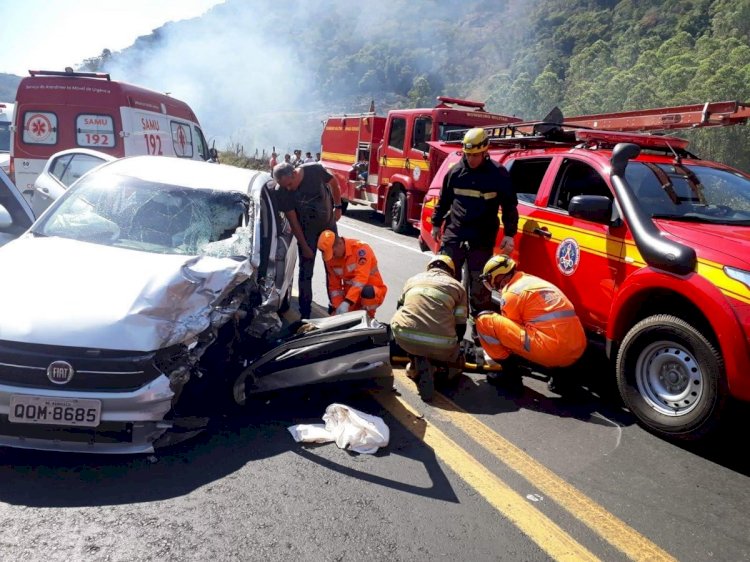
(386,163)
(59,110)
(651,244)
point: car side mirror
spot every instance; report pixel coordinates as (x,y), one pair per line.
(594,208)
(5,219)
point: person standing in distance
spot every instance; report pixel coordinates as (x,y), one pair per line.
(472,193)
(311,200)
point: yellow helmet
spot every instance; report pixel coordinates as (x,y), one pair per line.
(475,140)
(497,266)
(444,260)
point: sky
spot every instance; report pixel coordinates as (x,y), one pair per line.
(53,34)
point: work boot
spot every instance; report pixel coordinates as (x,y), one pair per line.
(510,375)
(559,381)
(426,383)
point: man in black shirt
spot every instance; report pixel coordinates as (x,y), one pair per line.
(473,191)
(311,200)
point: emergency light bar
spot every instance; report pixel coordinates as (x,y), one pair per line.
(101,75)
(456,101)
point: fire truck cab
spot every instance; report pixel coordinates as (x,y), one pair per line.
(651,244)
(387,163)
(62,110)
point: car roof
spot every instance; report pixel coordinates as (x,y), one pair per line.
(90,152)
(187,173)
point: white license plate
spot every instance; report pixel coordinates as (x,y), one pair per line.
(54,411)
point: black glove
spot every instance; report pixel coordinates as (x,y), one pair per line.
(460,331)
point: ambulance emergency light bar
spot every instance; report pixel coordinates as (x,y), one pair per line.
(67,74)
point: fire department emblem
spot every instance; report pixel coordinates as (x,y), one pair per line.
(568,256)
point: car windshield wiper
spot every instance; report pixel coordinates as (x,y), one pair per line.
(701,219)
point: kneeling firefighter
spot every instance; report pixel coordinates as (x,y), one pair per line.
(536,320)
(431,321)
(353,279)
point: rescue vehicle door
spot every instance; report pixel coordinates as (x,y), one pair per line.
(585,259)
(417,158)
(392,157)
(530,176)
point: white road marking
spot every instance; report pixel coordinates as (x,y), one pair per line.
(404,246)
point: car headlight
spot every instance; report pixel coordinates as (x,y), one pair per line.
(738,275)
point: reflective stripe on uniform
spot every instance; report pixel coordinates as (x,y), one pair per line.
(358,284)
(425,338)
(489,339)
(338,271)
(337,293)
(554,315)
(460,312)
(475,193)
(351,267)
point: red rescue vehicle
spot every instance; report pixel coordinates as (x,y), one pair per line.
(651,244)
(60,110)
(386,163)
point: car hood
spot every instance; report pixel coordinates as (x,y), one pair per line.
(55,291)
(708,240)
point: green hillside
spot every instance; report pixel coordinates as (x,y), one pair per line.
(261,75)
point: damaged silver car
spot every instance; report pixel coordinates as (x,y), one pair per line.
(147,299)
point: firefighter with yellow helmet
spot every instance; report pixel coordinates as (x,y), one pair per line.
(465,220)
(430,321)
(536,321)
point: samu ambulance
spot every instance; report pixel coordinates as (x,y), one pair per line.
(61,110)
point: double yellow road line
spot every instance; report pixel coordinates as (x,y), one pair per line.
(558,544)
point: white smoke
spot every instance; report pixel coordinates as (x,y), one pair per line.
(250,68)
(242,78)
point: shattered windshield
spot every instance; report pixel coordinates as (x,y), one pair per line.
(127,212)
(691,193)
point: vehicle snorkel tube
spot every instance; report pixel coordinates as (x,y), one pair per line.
(657,251)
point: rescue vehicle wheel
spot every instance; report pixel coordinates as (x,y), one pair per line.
(671,378)
(397,212)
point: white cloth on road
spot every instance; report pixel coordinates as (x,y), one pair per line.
(348,427)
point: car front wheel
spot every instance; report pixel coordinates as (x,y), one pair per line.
(672,378)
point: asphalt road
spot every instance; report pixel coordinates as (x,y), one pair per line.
(483,473)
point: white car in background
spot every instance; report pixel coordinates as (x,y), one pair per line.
(15,214)
(60,172)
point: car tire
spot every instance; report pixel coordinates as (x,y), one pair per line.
(397,213)
(672,378)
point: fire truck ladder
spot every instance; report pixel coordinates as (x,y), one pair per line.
(709,114)
(637,126)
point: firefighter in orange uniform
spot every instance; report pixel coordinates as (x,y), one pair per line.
(354,282)
(536,320)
